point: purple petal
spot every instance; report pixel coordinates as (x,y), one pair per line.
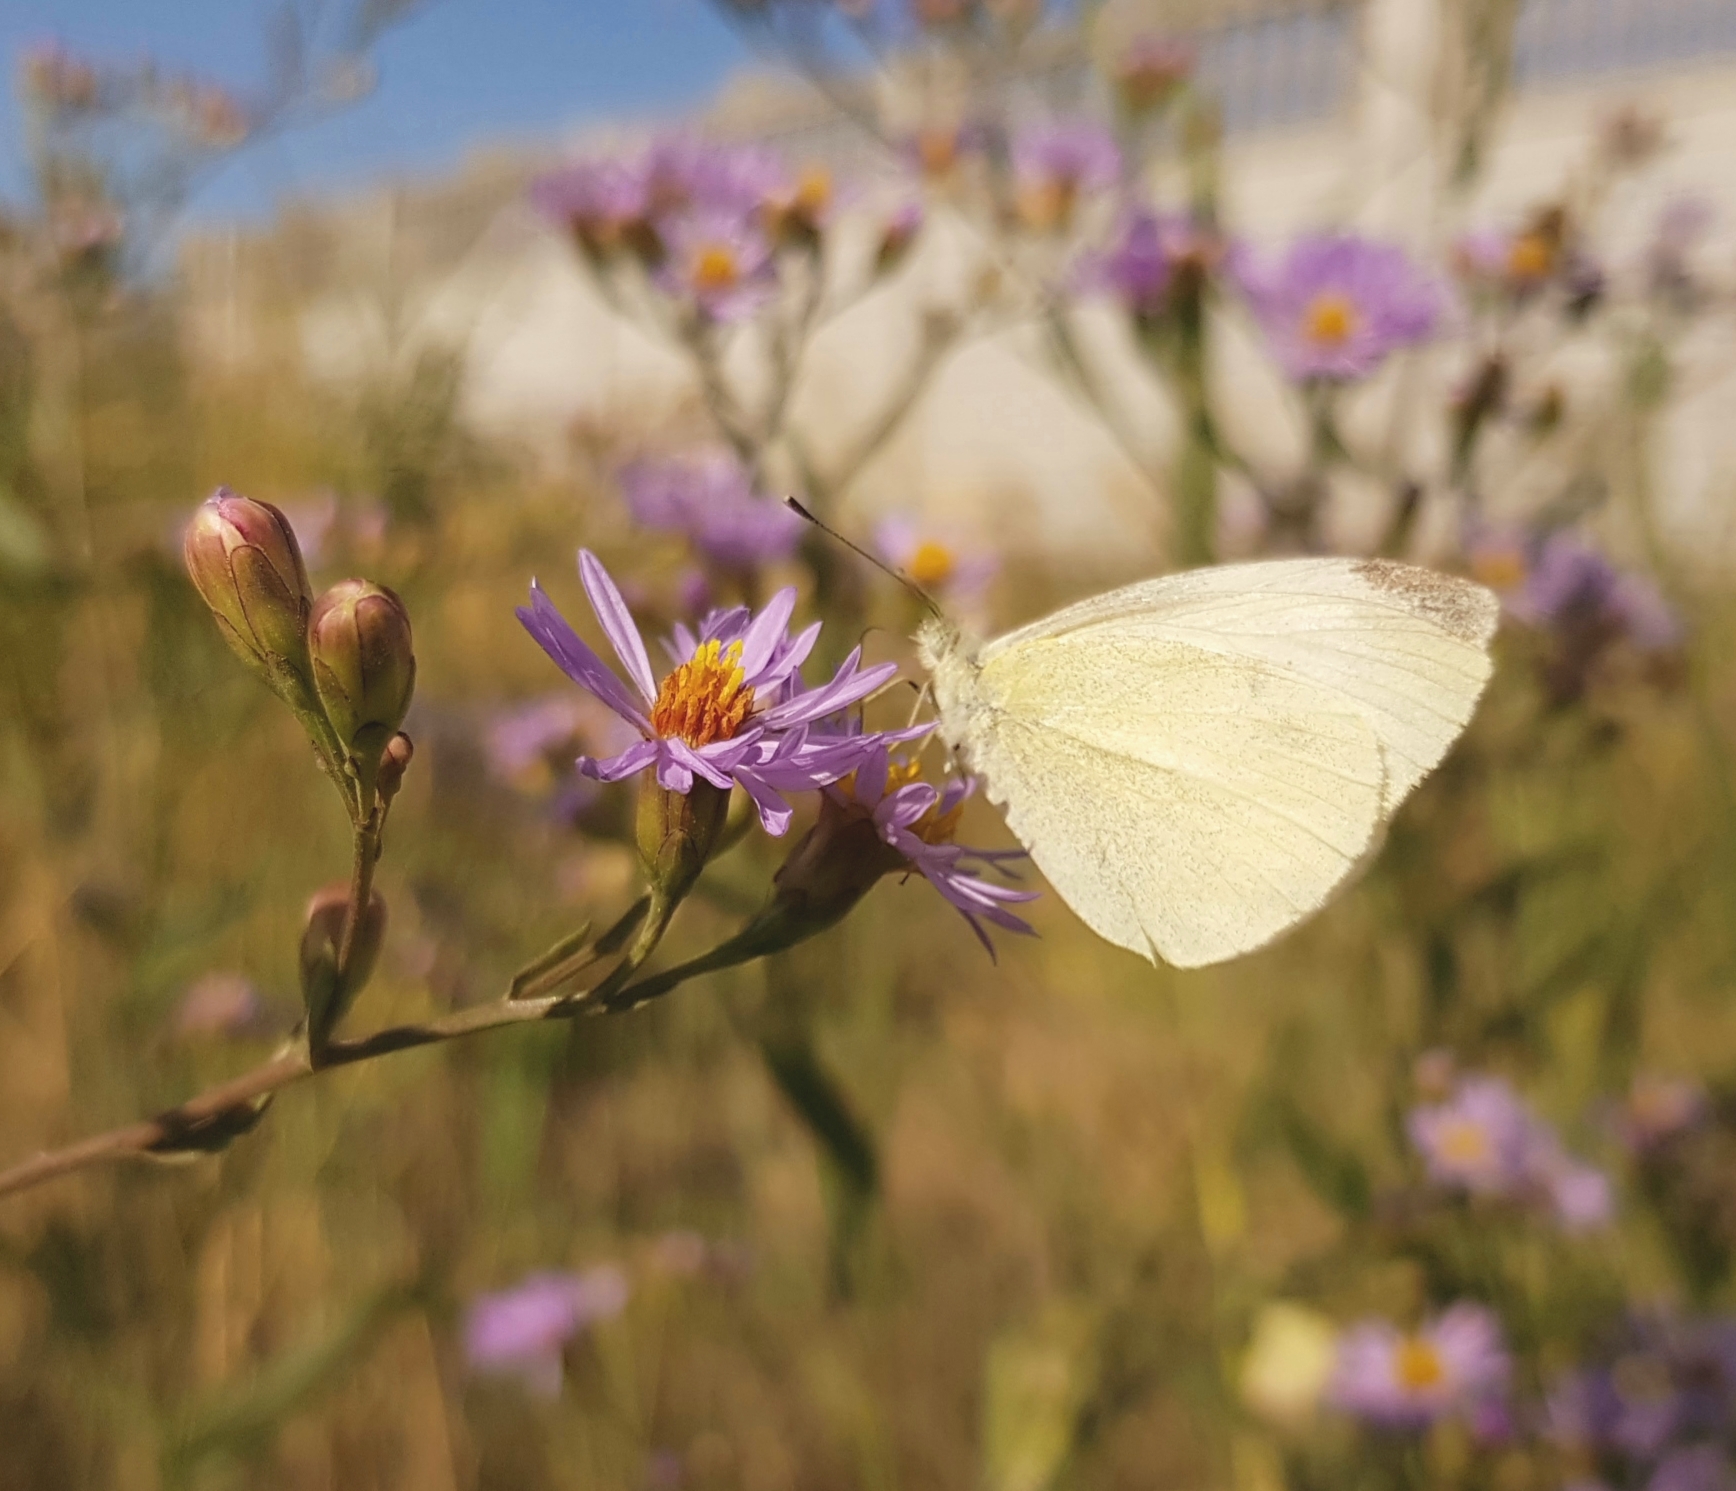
(673,775)
(905,805)
(617,623)
(848,688)
(635,758)
(575,659)
(762,638)
(774,812)
(696,763)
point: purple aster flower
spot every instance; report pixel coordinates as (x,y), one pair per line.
(940,563)
(523,1331)
(1338,305)
(711,499)
(1484,1141)
(719,263)
(596,200)
(918,821)
(733,711)
(1479,1140)
(1450,1365)
(1153,253)
(1570,586)
(683,174)
(1054,165)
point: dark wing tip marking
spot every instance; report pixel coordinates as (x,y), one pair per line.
(1461,608)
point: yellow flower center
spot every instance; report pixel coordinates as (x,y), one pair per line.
(1500,569)
(1331,318)
(1531,257)
(705,699)
(715,267)
(933,827)
(1465,1143)
(932,564)
(814,191)
(937,149)
(1417,1365)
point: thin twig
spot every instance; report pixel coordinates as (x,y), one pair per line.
(232,1106)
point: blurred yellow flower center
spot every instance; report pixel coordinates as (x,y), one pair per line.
(932,564)
(1500,569)
(705,699)
(937,149)
(1417,1365)
(933,827)
(1464,1143)
(715,267)
(1531,257)
(814,191)
(1332,317)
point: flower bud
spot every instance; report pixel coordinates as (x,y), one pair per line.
(363,666)
(677,833)
(244,560)
(327,992)
(394,762)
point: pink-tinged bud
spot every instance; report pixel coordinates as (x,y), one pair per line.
(327,992)
(364,666)
(394,762)
(244,560)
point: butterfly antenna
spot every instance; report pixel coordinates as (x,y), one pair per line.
(903,579)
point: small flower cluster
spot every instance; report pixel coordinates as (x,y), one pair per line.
(705,220)
(1483,1141)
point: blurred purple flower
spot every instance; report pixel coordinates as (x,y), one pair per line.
(711,499)
(597,200)
(733,710)
(684,174)
(1485,1141)
(919,821)
(1076,153)
(220,1004)
(1479,1140)
(720,264)
(1338,305)
(1150,255)
(1450,1365)
(1570,586)
(523,1331)
(937,562)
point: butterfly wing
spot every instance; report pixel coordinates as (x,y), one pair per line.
(1197,762)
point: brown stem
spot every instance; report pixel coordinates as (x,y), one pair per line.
(180,1127)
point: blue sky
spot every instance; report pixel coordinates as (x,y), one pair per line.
(458,73)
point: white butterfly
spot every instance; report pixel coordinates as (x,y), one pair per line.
(1197,762)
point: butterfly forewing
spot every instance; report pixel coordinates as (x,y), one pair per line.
(1197,762)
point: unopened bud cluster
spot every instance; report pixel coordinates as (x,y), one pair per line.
(344,662)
